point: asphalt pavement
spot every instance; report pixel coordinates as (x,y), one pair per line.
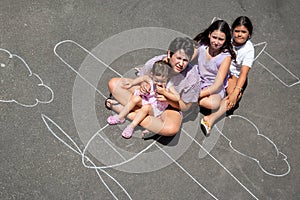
(56,58)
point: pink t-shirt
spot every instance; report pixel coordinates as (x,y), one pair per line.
(158,107)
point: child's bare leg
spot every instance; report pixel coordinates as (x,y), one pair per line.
(134,100)
(231,84)
(216,115)
(168,124)
(141,115)
(120,118)
(122,95)
(212,102)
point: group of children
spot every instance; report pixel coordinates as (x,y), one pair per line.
(225,56)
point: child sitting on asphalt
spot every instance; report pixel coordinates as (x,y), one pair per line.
(158,79)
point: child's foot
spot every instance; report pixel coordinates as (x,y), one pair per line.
(145,132)
(127,133)
(146,135)
(205,127)
(110,103)
(114,119)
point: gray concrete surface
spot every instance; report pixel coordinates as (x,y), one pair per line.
(253,155)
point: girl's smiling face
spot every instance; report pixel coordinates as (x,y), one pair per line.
(240,35)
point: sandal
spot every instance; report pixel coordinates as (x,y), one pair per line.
(205,127)
(108,102)
(114,119)
(127,133)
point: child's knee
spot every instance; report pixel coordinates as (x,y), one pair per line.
(136,99)
(112,83)
(147,107)
(211,103)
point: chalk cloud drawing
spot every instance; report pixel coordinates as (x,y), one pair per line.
(271,161)
(18,84)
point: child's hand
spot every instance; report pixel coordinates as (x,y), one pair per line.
(161,97)
(145,88)
(160,89)
(232,99)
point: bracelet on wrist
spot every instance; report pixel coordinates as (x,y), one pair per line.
(241,89)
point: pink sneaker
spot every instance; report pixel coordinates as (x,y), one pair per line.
(127,133)
(114,119)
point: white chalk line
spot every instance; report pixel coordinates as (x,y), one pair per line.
(118,164)
(219,163)
(78,151)
(12,55)
(185,171)
(261,51)
(37,101)
(275,60)
(91,54)
(254,159)
(277,76)
(107,142)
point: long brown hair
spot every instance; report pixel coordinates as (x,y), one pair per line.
(221,25)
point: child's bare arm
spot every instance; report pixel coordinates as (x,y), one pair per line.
(127,83)
(140,79)
(171,94)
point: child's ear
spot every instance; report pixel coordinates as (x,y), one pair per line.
(169,54)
